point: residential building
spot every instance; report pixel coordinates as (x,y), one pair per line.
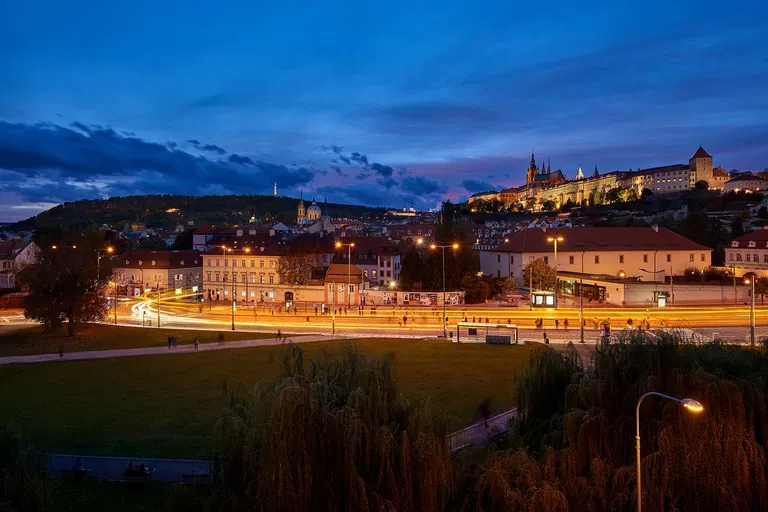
(412,232)
(746,182)
(15,255)
(748,253)
(343,285)
(145,270)
(379,258)
(645,254)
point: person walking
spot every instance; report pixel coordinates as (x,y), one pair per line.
(485,411)
(170,341)
(221,338)
(557,323)
(565,324)
(546,338)
(197,343)
(405,320)
(279,335)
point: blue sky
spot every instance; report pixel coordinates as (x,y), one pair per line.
(404,102)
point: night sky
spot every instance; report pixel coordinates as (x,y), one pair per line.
(405,102)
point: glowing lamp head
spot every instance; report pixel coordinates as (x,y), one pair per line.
(247,249)
(432,246)
(506,239)
(747,281)
(338,244)
(420,241)
(692,405)
(352,244)
(110,250)
(622,274)
(391,284)
(455,246)
(54,247)
(74,247)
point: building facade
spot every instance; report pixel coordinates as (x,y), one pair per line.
(15,255)
(645,254)
(746,182)
(145,270)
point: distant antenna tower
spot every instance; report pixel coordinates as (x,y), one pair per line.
(275,193)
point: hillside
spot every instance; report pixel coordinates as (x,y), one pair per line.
(166,211)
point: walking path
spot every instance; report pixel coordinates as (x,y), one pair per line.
(112,468)
(128,352)
(479,433)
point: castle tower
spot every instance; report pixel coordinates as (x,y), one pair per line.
(595,173)
(701,166)
(302,213)
(579,174)
(530,175)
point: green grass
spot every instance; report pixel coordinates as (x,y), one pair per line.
(107,496)
(32,340)
(167,405)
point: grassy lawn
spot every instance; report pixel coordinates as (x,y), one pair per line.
(167,405)
(32,340)
(109,496)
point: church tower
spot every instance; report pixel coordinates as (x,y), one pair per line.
(530,175)
(302,213)
(579,174)
(595,174)
(701,166)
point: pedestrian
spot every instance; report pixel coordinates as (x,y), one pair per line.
(307,318)
(557,323)
(405,320)
(197,343)
(565,324)
(509,321)
(473,320)
(487,320)
(546,339)
(169,342)
(221,338)
(629,323)
(485,411)
(175,340)
(61,350)
(278,335)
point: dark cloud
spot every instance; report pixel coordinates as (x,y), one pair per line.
(360,176)
(213,148)
(382,170)
(46,162)
(338,171)
(359,158)
(345,159)
(473,186)
(422,186)
(387,183)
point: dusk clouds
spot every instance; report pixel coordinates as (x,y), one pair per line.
(431,101)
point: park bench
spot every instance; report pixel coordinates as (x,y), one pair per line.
(75,475)
(137,477)
(197,479)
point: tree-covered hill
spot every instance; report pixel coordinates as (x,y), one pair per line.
(166,211)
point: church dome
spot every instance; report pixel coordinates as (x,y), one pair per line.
(313,208)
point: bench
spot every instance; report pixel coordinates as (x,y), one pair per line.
(137,477)
(75,475)
(197,479)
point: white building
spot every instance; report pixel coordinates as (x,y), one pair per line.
(149,270)
(749,253)
(746,182)
(14,255)
(646,254)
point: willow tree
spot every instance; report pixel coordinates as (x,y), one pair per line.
(329,434)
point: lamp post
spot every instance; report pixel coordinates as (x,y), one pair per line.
(349,247)
(751,311)
(109,250)
(453,246)
(158,301)
(581,299)
(555,239)
(688,403)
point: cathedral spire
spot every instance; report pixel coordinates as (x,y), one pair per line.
(549,168)
(595,174)
(533,161)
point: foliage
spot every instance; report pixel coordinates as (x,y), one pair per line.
(166,211)
(737,227)
(24,483)
(328,434)
(701,185)
(65,284)
(297,267)
(575,445)
(548,205)
(705,230)
(762,212)
(646,193)
(543,275)
(183,240)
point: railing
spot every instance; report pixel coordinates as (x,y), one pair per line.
(479,433)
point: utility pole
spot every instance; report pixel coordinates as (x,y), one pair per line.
(158,302)
(555,240)
(444,247)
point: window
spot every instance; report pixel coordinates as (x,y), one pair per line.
(208,275)
(621,258)
(234,277)
(669,258)
(243,265)
(234,263)
(253,278)
(341,288)
(261,263)
(226,262)
(217,262)
(218,276)
(704,258)
(209,262)
(597,259)
(690,257)
(570,260)
(731,257)
(271,263)
(253,263)
(365,274)
(244,277)
(330,288)
(373,274)
(738,256)
(271,278)
(261,278)
(179,277)
(351,288)
(765,258)
(511,259)
(226,276)
(546,260)
(389,274)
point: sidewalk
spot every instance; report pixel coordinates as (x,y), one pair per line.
(112,468)
(181,349)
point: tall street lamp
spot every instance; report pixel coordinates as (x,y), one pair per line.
(554,240)
(349,247)
(751,311)
(108,250)
(453,246)
(225,250)
(688,403)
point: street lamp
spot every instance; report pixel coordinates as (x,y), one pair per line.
(751,311)
(554,240)
(109,250)
(349,263)
(688,403)
(232,286)
(453,246)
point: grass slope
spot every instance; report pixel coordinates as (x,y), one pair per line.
(167,405)
(32,340)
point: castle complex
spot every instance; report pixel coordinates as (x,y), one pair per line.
(542,185)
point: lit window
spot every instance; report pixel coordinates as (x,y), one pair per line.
(570,260)
(597,259)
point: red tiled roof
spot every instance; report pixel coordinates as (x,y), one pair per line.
(597,239)
(144,258)
(700,153)
(719,172)
(9,250)
(761,235)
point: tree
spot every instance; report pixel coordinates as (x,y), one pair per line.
(183,240)
(612,196)
(412,270)
(646,193)
(64,284)
(762,212)
(543,275)
(297,267)
(548,205)
(530,203)
(701,185)
(737,227)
